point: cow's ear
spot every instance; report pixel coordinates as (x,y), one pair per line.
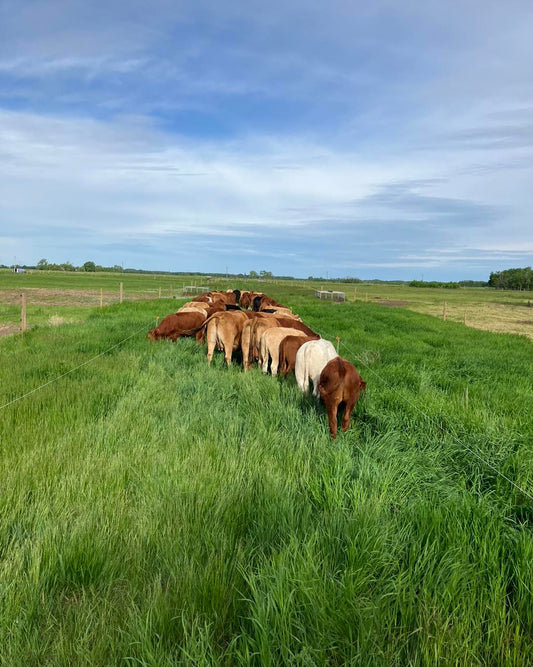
(362,385)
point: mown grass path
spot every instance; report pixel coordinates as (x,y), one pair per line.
(158,511)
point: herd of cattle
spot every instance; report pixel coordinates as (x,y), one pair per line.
(262,330)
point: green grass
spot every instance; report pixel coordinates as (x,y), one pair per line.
(157,511)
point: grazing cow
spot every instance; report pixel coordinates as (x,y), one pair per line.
(177,324)
(340,383)
(223,330)
(269,346)
(281,311)
(246,299)
(194,307)
(296,324)
(262,301)
(288,348)
(215,307)
(310,360)
(205,298)
(248,337)
(198,305)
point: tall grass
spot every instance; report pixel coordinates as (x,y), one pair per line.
(158,511)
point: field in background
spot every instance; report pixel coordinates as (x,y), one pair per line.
(157,511)
(55,297)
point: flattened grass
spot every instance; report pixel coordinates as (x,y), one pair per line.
(158,511)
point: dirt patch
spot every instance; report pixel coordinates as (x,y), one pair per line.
(526,322)
(8,329)
(394,303)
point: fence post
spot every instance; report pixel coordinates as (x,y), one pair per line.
(338,341)
(121,293)
(355,294)
(23,325)
(159,292)
(464,318)
(171,292)
(444,312)
(101,298)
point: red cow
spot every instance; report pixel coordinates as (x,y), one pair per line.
(340,383)
(288,348)
(177,324)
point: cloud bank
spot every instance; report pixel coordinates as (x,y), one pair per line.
(390,142)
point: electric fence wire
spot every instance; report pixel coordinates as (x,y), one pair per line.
(59,377)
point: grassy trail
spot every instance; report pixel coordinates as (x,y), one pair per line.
(157,511)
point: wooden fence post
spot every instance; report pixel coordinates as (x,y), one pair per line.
(101,298)
(464,318)
(23,325)
(338,341)
(444,312)
(121,294)
(159,292)
(170,292)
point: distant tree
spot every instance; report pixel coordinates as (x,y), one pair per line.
(253,274)
(514,279)
(42,264)
(265,274)
(89,266)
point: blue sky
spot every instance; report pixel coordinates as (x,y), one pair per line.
(390,141)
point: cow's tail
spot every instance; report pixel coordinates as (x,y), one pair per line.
(201,333)
(333,381)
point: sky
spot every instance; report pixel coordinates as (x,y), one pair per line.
(389,140)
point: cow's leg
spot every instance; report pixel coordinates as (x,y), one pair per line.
(331,407)
(274,364)
(348,409)
(227,345)
(263,355)
(245,347)
(211,341)
(316,381)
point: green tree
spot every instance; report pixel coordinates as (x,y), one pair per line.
(42,264)
(89,266)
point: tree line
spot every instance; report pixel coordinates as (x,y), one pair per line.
(520,279)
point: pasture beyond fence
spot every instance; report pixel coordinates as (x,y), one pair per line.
(35,297)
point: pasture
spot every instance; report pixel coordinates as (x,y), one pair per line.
(58,296)
(157,511)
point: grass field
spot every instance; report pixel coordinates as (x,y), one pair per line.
(157,511)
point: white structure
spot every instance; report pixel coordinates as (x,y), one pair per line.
(193,289)
(330,294)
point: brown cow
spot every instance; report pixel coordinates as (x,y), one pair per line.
(296,324)
(269,346)
(223,331)
(288,348)
(340,383)
(251,334)
(177,324)
(253,331)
